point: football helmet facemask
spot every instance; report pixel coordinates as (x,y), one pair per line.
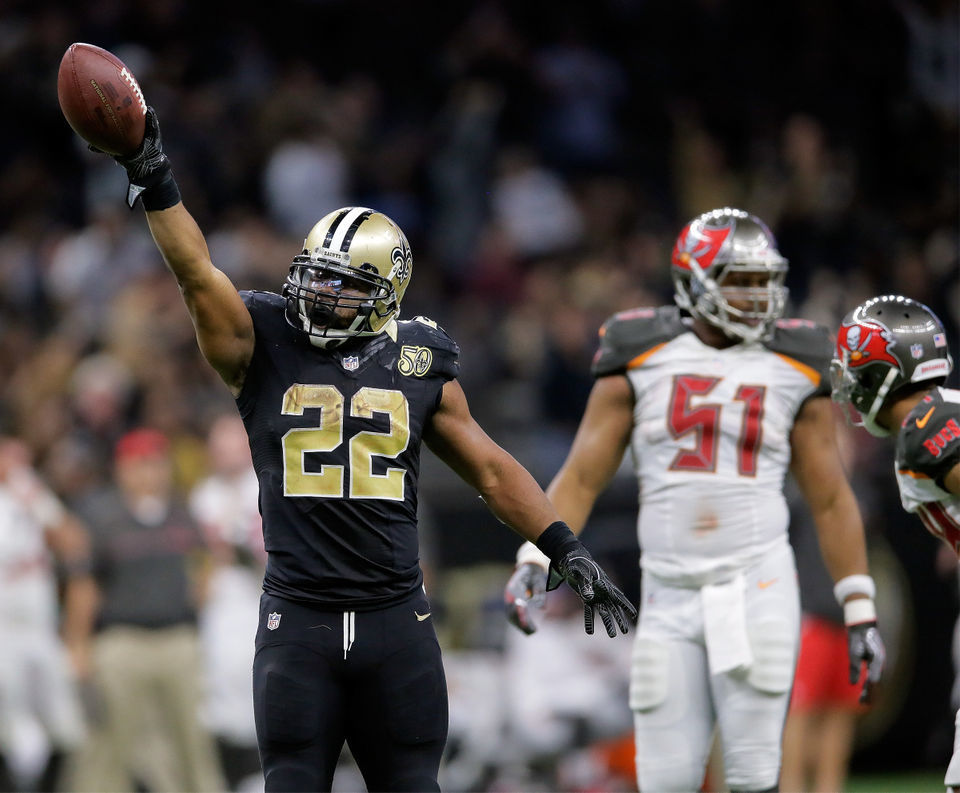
(726,270)
(350,277)
(884,345)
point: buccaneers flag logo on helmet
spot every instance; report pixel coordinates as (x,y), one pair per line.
(700,245)
(866,342)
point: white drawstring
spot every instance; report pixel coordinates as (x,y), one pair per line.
(349,631)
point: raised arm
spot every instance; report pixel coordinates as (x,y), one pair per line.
(222,323)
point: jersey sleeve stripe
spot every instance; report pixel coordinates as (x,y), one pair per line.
(642,357)
(940,523)
(808,371)
(912,474)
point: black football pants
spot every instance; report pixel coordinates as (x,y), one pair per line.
(371,678)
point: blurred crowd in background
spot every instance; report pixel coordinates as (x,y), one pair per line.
(541,158)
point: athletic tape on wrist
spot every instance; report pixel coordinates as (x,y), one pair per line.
(163,195)
(556,540)
(856,612)
(530,553)
(854,585)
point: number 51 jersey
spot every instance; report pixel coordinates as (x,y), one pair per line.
(335,438)
(711,437)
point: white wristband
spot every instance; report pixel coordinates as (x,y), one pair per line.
(858,611)
(528,552)
(854,585)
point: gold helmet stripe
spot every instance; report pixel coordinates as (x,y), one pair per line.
(345,227)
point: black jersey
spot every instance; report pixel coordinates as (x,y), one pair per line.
(928,448)
(335,438)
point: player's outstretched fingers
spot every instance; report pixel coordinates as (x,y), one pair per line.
(588,618)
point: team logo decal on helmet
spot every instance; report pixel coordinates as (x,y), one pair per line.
(700,245)
(866,341)
(402,258)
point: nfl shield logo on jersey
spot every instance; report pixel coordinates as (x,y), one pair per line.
(351,362)
(273,621)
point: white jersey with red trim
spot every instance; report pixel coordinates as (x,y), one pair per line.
(28,593)
(711,438)
(928,447)
(37,688)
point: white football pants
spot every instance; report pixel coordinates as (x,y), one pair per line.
(716,656)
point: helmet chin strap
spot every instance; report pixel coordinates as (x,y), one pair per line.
(870,417)
(325,342)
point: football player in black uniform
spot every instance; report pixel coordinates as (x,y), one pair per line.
(891,363)
(337,395)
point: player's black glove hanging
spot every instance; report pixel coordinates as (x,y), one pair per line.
(570,561)
(526,590)
(149,171)
(864,645)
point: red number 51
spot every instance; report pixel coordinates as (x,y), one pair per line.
(704,420)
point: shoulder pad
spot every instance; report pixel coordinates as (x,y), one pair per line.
(929,440)
(807,343)
(420,333)
(268,312)
(262,301)
(629,334)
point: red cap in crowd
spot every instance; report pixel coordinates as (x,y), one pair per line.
(141,443)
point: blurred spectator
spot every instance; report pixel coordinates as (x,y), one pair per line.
(225,504)
(533,205)
(583,87)
(459,172)
(146,654)
(303,177)
(934,57)
(41,545)
(102,390)
(565,692)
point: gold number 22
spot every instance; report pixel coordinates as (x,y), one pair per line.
(364,446)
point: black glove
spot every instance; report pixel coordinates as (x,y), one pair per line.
(525,591)
(864,645)
(596,590)
(570,561)
(149,170)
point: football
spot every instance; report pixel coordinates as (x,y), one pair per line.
(100,99)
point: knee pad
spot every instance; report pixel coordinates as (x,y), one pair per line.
(774,657)
(649,674)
